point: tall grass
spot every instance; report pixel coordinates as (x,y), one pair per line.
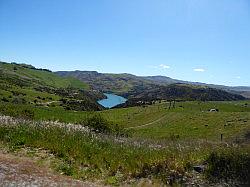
(87,155)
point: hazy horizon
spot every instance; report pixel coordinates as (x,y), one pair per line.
(200,41)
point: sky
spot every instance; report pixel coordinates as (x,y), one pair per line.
(195,40)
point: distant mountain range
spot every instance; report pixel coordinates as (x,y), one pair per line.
(160,87)
(80,90)
(242,90)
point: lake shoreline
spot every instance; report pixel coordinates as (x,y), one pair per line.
(112,100)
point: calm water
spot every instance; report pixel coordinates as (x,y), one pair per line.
(112,100)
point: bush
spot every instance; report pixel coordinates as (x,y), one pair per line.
(19,100)
(27,114)
(67,169)
(5,99)
(229,166)
(98,124)
(163,170)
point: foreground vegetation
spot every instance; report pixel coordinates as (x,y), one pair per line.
(91,156)
(120,149)
(188,120)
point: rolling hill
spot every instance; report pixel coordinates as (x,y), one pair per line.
(25,84)
(242,90)
(154,87)
(124,82)
(117,83)
(80,90)
(41,111)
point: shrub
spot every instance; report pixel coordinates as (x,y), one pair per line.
(229,165)
(19,100)
(67,169)
(5,99)
(98,123)
(27,114)
(63,100)
(162,170)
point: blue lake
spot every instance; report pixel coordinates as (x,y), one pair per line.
(112,100)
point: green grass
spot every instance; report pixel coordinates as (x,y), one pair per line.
(103,158)
(136,116)
(98,156)
(190,122)
(85,156)
(162,142)
(229,165)
(199,126)
(187,135)
(42,77)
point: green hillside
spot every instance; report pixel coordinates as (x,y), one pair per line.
(107,82)
(25,84)
(150,88)
(37,77)
(159,142)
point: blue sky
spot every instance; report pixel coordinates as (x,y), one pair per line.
(196,40)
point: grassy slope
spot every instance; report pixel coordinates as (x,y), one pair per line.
(191,121)
(106,158)
(117,83)
(184,115)
(160,156)
(42,77)
(12,79)
(20,84)
(86,157)
(147,88)
(32,78)
(181,129)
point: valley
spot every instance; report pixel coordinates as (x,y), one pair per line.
(160,136)
(127,83)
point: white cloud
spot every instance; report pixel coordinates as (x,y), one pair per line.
(163,66)
(199,70)
(238,77)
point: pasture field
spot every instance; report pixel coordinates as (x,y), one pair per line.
(160,144)
(188,120)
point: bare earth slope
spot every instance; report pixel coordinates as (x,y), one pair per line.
(16,170)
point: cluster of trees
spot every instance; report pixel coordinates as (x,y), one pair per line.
(80,105)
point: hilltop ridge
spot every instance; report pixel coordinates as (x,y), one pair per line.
(153,87)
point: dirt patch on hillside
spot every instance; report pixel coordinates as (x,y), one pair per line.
(24,171)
